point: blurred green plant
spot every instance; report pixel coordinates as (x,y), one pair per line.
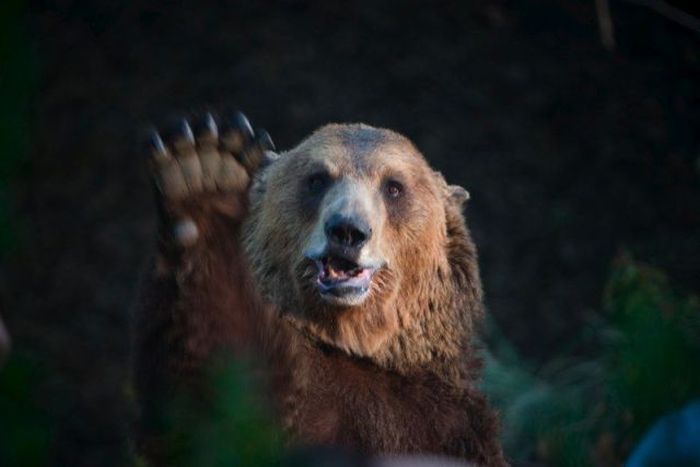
(592,411)
(25,425)
(227,424)
(18,80)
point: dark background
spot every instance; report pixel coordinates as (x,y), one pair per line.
(572,154)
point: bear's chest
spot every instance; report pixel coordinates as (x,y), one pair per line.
(352,403)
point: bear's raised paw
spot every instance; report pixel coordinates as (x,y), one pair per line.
(202,168)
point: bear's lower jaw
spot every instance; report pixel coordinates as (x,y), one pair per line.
(345,290)
(344,295)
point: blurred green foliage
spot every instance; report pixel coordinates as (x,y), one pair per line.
(25,424)
(18,81)
(227,424)
(592,411)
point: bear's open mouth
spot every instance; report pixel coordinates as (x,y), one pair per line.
(339,276)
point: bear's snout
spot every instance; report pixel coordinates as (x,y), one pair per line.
(347,232)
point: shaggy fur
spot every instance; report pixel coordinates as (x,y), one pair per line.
(392,375)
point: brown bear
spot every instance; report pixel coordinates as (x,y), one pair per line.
(343,264)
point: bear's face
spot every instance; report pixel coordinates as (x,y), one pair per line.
(346,232)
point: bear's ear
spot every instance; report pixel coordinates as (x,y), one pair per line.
(457,194)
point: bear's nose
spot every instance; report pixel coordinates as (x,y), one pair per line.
(347,232)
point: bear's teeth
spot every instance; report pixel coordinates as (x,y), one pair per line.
(334,269)
(337,274)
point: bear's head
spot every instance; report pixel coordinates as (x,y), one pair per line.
(362,246)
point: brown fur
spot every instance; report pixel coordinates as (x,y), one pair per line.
(392,375)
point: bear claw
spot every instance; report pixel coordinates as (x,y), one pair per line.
(240,121)
(238,133)
(210,128)
(187,131)
(265,140)
(157,143)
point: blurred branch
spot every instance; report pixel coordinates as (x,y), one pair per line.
(671,13)
(605,24)
(668,11)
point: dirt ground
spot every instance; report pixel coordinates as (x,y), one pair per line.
(571,154)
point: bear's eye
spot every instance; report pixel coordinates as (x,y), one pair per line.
(393,189)
(317,182)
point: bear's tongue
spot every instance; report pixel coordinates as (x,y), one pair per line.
(338,269)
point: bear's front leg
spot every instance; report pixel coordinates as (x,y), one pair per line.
(197,299)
